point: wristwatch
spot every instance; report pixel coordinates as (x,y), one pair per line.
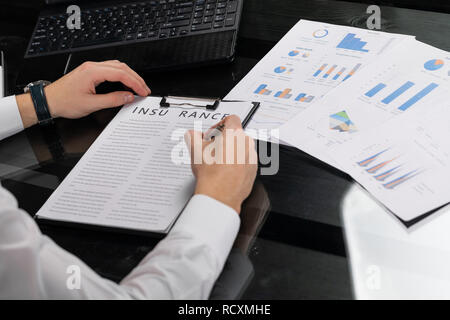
(36,90)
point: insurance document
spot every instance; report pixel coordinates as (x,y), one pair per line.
(409,77)
(311,59)
(137,174)
(404,163)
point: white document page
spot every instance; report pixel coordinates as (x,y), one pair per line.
(411,76)
(310,60)
(404,163)
(136,175)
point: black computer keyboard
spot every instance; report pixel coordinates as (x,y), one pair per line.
(140,21)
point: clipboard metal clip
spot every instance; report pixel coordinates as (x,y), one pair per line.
(210,104)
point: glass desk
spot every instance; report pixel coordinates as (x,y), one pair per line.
(292,241)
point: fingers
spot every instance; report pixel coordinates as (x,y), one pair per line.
(232,122)
(125,67)
(100,72)
(113,99)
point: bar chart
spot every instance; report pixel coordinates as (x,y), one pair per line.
(392,96)
(262,89)
(303,97)
(319,71)
(386,169)
(338,74)
(327,73)
(352,72)
(351,42)
(285,94)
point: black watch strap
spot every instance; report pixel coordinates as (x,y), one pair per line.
(40,104)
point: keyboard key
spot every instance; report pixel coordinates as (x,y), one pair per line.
(185,10)
(218,24)
(180,17)
(198,14)
(184,4)
(164,33)
(230,20)
(83,43)
(232,6)
(174,24)
(201,27)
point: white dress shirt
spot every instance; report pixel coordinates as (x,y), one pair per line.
(184,265)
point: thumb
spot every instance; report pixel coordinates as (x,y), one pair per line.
(113,99)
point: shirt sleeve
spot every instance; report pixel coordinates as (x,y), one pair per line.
(184,265)
(10,119)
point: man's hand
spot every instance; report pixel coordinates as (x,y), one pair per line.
(230,179)
(73,96)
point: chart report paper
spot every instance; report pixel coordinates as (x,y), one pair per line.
(310,60)
(412,76)
(404,163)
(137,174)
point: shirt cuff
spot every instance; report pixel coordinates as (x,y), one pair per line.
(212,222)
(10,119)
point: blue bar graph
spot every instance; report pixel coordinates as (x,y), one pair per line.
(320,70)
(339,74)
(397,92)
(418,96)
(375,90)
(350,42)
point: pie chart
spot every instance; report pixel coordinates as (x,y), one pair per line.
(280,69)
(294,53)
(321,33)
(434,64)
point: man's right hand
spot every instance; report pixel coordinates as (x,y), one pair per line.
(229,179)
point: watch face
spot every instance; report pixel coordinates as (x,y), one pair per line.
(36,83)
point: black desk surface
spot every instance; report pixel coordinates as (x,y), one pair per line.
(299,251)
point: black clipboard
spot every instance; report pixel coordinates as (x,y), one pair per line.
(209,104)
